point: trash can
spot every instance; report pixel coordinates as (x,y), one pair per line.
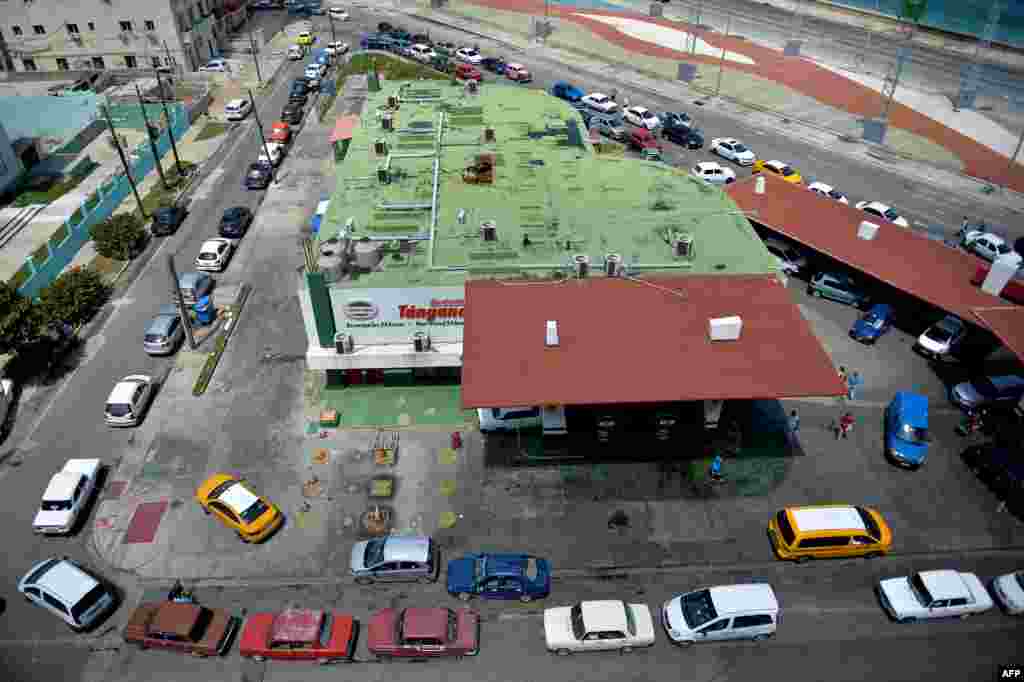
(205,311)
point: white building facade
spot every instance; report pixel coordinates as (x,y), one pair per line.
(55,35)
(10,166)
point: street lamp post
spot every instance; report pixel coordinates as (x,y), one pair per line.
(721,59)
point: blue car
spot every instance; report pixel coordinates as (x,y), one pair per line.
(906,429)
(873,324)
(567,91)
(499,576)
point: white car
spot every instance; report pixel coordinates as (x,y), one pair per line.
(640,116)
(828,191)
(600,102)
(296,52)
(338,13)
(129,400)
(732,149)
(215,65)
(237,109)
(315,70)
(68,591)
(880,210)
(989,246)
(214,254)
(598,626)
(713,173)
(422,53)
(275,151)
(470,55)
(336,48)
(941,339)
(726,612)
(1009,590)
(65,496)
(933,594)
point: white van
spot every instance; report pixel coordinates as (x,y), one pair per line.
(550,417)
(748,611)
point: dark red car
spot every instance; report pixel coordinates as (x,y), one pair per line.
(299,635)
(641,139)
(418,633)
(468,72)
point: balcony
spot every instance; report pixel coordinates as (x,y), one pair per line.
(28,45)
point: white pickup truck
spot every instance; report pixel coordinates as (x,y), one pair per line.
(65,497)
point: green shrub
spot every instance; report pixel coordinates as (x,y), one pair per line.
(120,237)
(41,255)
(59,235)
(74,297)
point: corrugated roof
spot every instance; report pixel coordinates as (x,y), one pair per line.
(1007,323)
(634,341)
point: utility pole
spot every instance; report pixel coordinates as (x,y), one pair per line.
(255,56)
(721,60)
(330,18)
(912,9)
(167,51)
(170,134)
(263,139)
(152,142)
(186,321)
(124,160)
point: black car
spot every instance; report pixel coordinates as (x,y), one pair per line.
(675,119)
(258,176)
(691,138)
(300,85)
(495,64)
(421,38)
(298,97)
(1000,469)
(235,222)
(292,113)
(384,27)
(167,219)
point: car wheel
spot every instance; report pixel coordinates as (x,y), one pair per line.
(525,598)
(473,652)
(873,555)
(258,659)
(323,661)
(814,293)
(425,580)
(964,616)
(364,580)
(563,652)
(382,658)
(141,645)
(206,511)
(761,638)
(908,619)
(626,650)
(465,596)
(802,559)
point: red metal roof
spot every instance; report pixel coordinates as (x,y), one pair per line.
(419,623)
(343,128)
(297,625)
(637,341)
(1007,323)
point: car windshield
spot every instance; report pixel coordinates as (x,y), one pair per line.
(870,523)
(1002,248)
(787,531)
(986,388)
(118,409)
(912,434)
(739,148)
(698,609)
(56,505)
(576,617)
(919,590)
(873,320)
(208,255)
(87,602)
(374,553)
(834,194)
(939,334)
(601,99)
(1020,579)
(646,114)
(479,567)
(254,511)
(630,621)
(786,170)
(891,214)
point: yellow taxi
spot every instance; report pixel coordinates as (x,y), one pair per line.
(783,170)
(251,516)
(305,38)
(829,531)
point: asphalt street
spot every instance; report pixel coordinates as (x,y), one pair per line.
(831,627)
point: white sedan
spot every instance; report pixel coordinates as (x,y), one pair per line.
(880,210)
(1009,590)
(336,48)
(989,246)
(273,153)
(68,591)
(640,116)
(598,626)
(65,496)
(214,254)
(470,55)
(317,70)
(933,594)
(600,102)
(713,173)
(828,191)
(734,150)
(338,13)
(215,66)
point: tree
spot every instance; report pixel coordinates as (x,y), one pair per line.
(74,297)
(21,320)
(120,237)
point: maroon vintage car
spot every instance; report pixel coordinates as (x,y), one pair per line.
(189,628)
(419,633)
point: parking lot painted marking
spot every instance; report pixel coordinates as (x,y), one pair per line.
(145,522)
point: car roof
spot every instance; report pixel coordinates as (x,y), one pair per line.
(606,614)
(944,584)
(62,485)
(238,498)
(163,320)
(237,211)
(176,618)
(405,548)
(707,165)
(596,95)
(188,280)
(739,598)
(517,65)
(67,581)
(212,244)
(297,625)
(505,564)
(237,103)
(730,140)
(812,519)
(425,623)
(820,185)
(877,205)
(950,322)
(122,392)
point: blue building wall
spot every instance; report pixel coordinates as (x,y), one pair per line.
(959,16)
(48,116)
(10,166)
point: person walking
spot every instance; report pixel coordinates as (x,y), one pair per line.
(845,426)
(853,382)
(845,379)
(792,428)
(715,474)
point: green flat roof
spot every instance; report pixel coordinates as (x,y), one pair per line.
(556,191)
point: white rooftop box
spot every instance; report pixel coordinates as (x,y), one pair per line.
(867,230)
(551,338)
(725,328)
(1003,270)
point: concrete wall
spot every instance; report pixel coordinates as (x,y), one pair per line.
(46,116)
(10,166)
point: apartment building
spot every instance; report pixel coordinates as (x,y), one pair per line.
(55,35)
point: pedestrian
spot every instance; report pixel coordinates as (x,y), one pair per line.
(845,425)
(615,93)
(715,473)
(793,427)
(852,383)
(844,378)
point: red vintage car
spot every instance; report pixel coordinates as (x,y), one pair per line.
(518,73)
(299,634)
(418,633)
(468,72)
(281,132)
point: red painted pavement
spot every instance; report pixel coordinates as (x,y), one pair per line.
(799,74)
(115,490)
(145,522)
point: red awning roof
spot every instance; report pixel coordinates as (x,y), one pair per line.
(924,268)
(637,341)
(343,128)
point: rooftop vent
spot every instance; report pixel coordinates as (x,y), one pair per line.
(725,328)
(759,185)
(421,342)
(489,231)
(683,246)
(471,87)
(613,265)
(581,265)
(343,343)
(867,230)
(380,147)
(392,102)
(551,335)
(488,134)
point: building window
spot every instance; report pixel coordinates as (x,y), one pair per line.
(130,61)
(39,30)
(91,26)
(169,61)
(73,29)
(16,30)
(155,61)
(126,26)
(62,64)
(97,63)
(29,64)
(150,25)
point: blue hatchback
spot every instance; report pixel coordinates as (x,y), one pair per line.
(906,429)
(499,576)
(873,324)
